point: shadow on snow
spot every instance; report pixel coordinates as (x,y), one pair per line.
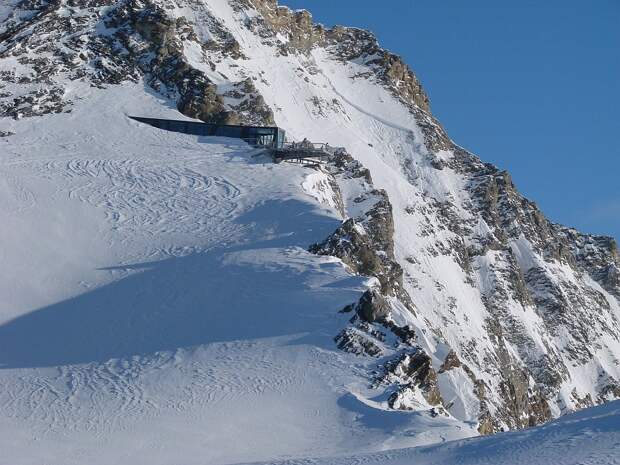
(268,287)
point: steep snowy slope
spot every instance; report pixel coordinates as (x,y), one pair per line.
(475,311)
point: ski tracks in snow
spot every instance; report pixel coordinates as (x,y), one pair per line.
(92,398)
(15,197)
(138,196)
(156,200)
(157,197)
(160,194)
(112,397)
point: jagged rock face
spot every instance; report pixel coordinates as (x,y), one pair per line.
(372,307)
(524,262)
(361,339)
(354,245)
(562,301)
(595,255)
(108,42)
(365,243)
(302,33)
(414,373)
(518,316)
(345,43)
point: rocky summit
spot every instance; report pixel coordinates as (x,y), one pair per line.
(475,308)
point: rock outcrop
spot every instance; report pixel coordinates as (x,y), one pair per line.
(116,42)
(414,374)
(365,243)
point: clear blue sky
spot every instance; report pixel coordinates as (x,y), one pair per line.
(531,86)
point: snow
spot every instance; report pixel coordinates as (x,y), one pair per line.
(591,437)
(458,390)
(383,134)
(158,296)
(6,9)
(317,185)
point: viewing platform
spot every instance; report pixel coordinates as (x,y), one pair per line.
(271,138)
(306,152)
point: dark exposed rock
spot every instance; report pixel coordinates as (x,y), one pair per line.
(524,404)
(361,339)
(121,41)
(358,249)
(297,26)
(413,372)
(406,334)
(198,96)
(365,243)
(451,361)
(356,343)
(373,307)
(596,255)
(346,165)
(582,401)
(610,391)
(487,425)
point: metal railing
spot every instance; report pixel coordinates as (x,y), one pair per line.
(317,147)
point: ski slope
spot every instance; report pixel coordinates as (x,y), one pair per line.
(158,297)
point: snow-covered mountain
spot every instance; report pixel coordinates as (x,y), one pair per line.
(189,291)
